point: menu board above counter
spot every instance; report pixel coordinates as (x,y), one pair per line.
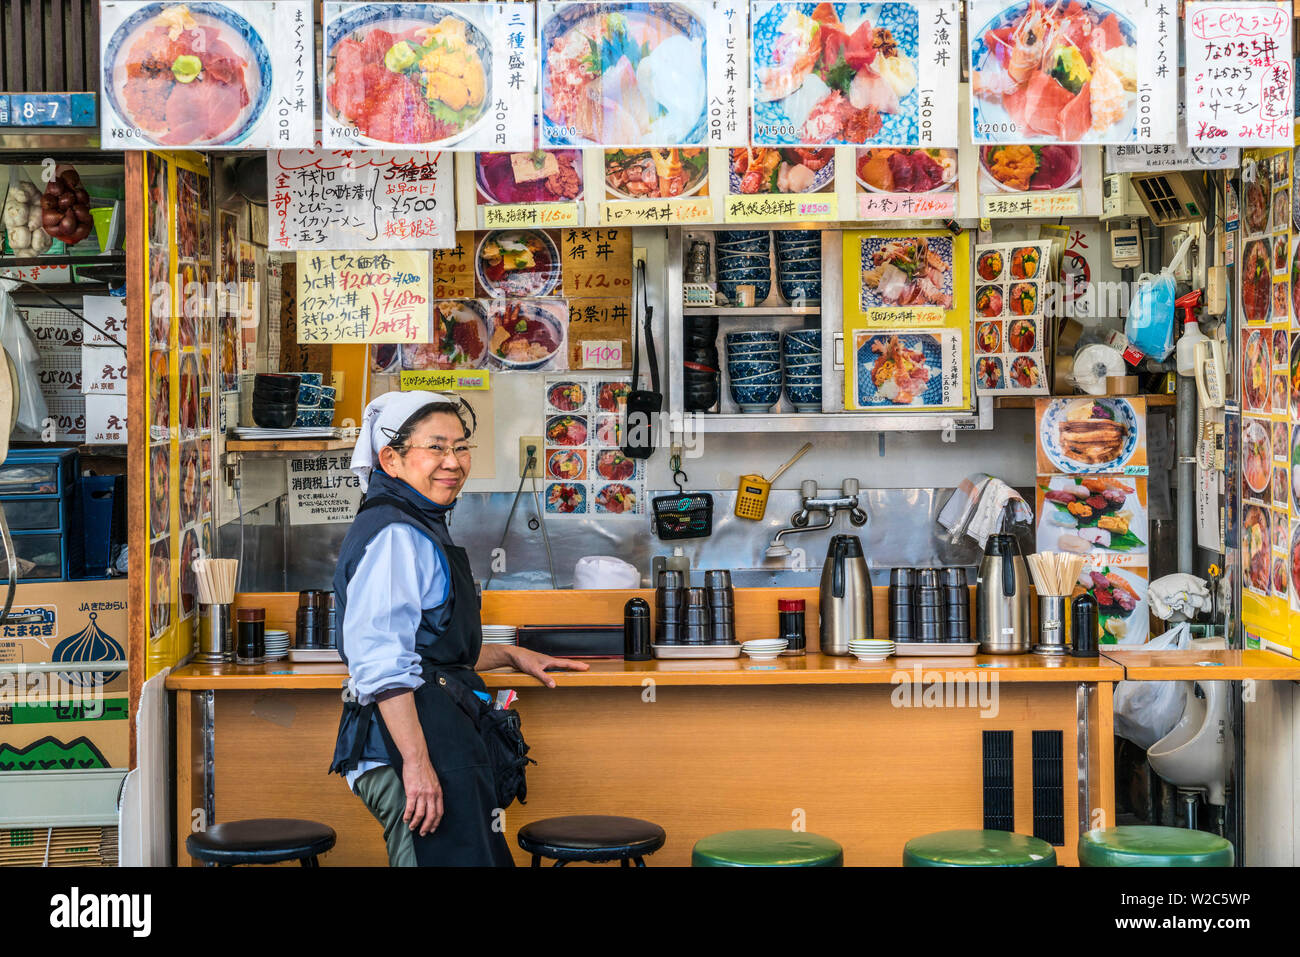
(359,199)
(643,73)
(429,76)
(1073,73)
(855,73)
(207,75)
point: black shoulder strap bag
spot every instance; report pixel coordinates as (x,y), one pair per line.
(643,407)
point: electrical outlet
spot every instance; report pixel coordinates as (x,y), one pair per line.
(638,256)
(536,442)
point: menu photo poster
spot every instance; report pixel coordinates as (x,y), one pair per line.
(906,321)
(586,472)
(430,76)
(1239,76)
(1010,320)
(356,199)
(207,75)
(855,73)
(625,74)
(1073,73)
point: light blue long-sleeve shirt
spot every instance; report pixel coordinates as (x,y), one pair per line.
(400,574)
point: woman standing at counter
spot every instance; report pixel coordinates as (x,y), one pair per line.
(411,636)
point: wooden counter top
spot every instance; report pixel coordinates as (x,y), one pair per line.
(813,669)
(1195,665)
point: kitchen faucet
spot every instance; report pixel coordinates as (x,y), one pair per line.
(800,521)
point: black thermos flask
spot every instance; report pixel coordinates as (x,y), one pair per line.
(1085,626)
(636,630)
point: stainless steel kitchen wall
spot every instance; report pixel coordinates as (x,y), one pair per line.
(901,530)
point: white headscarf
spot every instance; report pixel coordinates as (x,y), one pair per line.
(382,418)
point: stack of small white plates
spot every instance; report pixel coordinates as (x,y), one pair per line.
(764,649)
(277,644)
(871,649)
(499,634)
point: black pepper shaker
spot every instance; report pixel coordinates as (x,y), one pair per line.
(636,630)
(790,614)
(1085,626)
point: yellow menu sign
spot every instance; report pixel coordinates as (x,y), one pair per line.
(439,380)
(541,215)
(782,208)
(664,212)
(371,296)
(1066,203)
(453,269)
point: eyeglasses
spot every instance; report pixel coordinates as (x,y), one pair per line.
(462,451)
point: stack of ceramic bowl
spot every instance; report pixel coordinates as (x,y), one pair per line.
(801,351)
(799,266)
(764,649)
(871,649)
(744,259)
(277,644)
(754,369)
(499,634)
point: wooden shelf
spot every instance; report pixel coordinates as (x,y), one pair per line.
(751,311)
(288,445)
(1027,401)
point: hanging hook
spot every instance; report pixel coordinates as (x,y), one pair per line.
(678,478)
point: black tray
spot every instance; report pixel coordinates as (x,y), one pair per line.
(573,641)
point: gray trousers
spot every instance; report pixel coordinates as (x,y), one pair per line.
(380,789)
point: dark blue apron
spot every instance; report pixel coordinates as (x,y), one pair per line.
(470,832)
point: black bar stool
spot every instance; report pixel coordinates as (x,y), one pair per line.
(595,838)
(261,841)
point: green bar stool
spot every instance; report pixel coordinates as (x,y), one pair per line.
(1135,845)
(977,849)
(766,847)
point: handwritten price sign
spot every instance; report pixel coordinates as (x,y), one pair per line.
(907,205)
(536,214)
(663,212)
(1239,78)
(602,355)
(363,297)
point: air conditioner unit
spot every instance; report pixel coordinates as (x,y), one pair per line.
(1172,197)
(1118,200)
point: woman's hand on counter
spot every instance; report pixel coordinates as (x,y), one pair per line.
(531,662)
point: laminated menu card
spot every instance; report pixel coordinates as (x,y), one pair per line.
(879,74)
(1011,291)
(207,75)
(1044,72)
(424,75)
(586,472)
(643,73)
(906,321)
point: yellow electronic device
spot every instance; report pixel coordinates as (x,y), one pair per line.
(751,496)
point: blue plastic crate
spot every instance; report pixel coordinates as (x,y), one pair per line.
(101,504)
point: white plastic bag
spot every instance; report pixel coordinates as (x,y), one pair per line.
(1145,711)
(18,342)
(605,571)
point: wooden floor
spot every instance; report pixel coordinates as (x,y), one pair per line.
(842,761)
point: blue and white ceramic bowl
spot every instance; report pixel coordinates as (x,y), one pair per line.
(754,335)
(803,340)
(742,235)
(787,236)
(308,395)
(804,368)
(756,399)
(750,370)
(744,261)
(312,378)
(802,293)
(745,274)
